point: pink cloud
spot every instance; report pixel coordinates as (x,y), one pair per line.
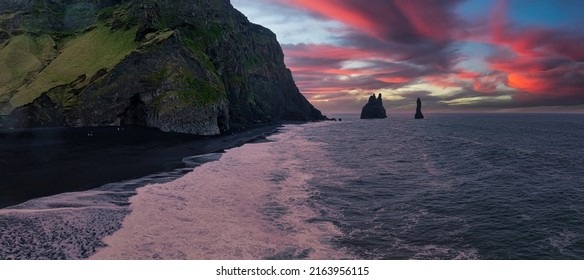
(401,42)
(535,60)
(403,21)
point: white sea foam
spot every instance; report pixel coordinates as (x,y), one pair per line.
(412,194)
(71,225)
(65,226)
(250,204)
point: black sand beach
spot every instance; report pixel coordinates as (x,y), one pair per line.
(41,162)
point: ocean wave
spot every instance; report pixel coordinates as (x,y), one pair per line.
(249,204)
(70,225)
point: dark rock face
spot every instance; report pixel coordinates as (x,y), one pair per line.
(182,95)
(4,36)
(419,114)
(374,109)
(198,66)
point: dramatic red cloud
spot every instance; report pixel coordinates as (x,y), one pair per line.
(327,69)
(444,80)
(488,83)
(534,41)
(395,80)
(553,83)
(464,74)
(537,60)
(339,10)
(430,19)
(390,44)
(528,82)
(525,63)
(402,21)
(330,70)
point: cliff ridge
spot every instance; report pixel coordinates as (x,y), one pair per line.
(195,66)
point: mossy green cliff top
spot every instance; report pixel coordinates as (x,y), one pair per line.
(185,66)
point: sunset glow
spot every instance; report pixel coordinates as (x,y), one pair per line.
(488,55)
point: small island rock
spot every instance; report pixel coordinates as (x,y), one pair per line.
(374,109)
(419,114)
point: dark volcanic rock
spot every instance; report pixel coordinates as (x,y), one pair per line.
(374,109)
(419,114)
(3,36)
(192,66)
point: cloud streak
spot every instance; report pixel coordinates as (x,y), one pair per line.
(408,47)
(542,62)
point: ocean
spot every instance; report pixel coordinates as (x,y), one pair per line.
(451,186)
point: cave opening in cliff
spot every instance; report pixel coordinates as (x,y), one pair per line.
(135,113)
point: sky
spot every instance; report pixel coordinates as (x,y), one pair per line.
(456,55)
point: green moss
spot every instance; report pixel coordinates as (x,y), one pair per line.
(83,55)
(44,47)
(254,61)
(153,39)
(127,19)
(201,56)
(190,90)
(161,36)
(159,100)
(118,16)
(200,38)
(64,98)
(41,17)
(17,59)
(7,16)
(165,22)
(157,77)
(200,92)
(22,56)
(106,13)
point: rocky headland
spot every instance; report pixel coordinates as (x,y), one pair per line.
(374,108)
(196,66)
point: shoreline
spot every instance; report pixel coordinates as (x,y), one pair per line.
(37,163)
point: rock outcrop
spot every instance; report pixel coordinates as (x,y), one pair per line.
(374,108)
(419,114)
(191,66)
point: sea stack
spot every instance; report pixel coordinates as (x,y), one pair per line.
(419,114)
(374,109)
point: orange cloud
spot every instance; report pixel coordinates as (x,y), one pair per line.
(527,82)
(464,74)
(444,81)
(536,60)
(391,43)
(395,80)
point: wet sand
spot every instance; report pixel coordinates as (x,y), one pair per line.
(43,162)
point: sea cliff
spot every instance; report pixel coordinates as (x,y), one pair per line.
(196,66)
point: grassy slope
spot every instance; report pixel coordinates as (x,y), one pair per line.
(22,55)
(32,72)
(83,55)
